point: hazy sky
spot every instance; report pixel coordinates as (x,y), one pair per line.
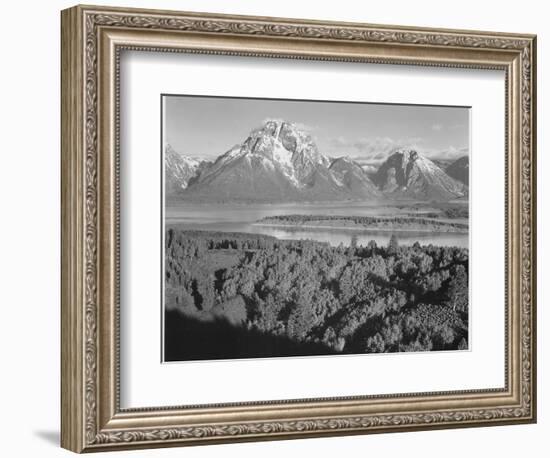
(205,127)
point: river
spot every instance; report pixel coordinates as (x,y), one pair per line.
(241,218)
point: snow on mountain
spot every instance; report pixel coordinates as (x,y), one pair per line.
(278,162)
(460,170)
(407,174)
(351,175)
(178,170)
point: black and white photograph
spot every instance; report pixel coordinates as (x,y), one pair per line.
(308,228)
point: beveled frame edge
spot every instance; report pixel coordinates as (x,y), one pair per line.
(91,419)
(72,225)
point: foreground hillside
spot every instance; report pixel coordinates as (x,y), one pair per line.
(242,295)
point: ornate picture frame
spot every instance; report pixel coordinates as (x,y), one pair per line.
(92,41)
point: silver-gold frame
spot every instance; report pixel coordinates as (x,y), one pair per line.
(92,40)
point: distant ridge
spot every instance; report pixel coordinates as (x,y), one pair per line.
(407,174)
(280,162)
(179,170)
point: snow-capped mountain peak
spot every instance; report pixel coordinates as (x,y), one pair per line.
(287,147)
(178,169)
(406,173)
(278,161)
(278,145)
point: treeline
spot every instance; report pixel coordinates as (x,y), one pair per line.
(445,210)
(353,299)
(364,221)
(456,212)
(451,213)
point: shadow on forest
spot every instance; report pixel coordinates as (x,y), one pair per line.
(189,339)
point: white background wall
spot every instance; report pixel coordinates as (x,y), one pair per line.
(29,229)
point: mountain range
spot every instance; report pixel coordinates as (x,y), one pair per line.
(179,170)
(279,162)
(407,174)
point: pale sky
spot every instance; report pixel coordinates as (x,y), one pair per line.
(206,127)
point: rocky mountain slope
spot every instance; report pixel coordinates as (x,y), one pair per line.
(407,174)
(278,162)
(179,170)
(460,170)
(354,177)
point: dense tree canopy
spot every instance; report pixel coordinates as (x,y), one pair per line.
(351,299)
(428,221)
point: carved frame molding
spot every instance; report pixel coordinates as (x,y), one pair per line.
(92,39)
